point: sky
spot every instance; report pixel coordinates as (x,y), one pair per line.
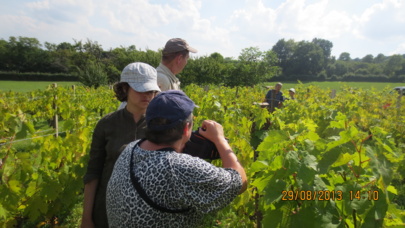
(359,27)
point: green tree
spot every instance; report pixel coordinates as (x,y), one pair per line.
(253,66)
(150,57)
(380,58)
(341,68)
(25,55)
(93,49)
(368,59)
(303,58)
(345,56)
(394,65)
(218,57)
(213,69)
(251,54)
(326,47)
(61,56)
(3,55)
(122,56)
(284,51)
(92,74)
(308,59)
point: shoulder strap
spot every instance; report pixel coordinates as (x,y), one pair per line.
(142,193)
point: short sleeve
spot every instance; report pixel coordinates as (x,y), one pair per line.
(204,186)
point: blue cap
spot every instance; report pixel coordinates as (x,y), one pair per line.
(172,105)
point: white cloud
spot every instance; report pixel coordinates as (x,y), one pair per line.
(54,11)
(12,25)
(399,50)
(383,21)
(303,21)
(359,27)
(38,5)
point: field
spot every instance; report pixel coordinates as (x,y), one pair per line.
(316,162)
(27,86)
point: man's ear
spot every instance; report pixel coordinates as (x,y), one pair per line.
(186,129)
(178,59)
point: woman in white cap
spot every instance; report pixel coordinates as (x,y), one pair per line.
(291,91)
(137,87)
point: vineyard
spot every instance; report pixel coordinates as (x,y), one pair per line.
(319,161)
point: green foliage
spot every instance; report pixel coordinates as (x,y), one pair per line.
(340,149)
(41,183)
(93,75)
(206,70)
(394,65)
(287,60)
(253,67)
(320,152)
(302,58)
(316,162)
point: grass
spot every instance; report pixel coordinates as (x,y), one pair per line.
(27,86)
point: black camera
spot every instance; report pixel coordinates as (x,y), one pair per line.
(199,146)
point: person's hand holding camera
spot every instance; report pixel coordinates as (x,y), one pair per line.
(214,132)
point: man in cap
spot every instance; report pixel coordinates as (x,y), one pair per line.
(174,58)
(275,97)
(137,87)
(154,184)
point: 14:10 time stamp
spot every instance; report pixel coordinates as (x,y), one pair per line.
(328,195)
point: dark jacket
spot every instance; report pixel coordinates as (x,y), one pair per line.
(110,136)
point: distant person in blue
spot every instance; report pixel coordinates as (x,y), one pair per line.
(275,97)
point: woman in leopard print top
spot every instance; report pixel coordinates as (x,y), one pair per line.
(178,188)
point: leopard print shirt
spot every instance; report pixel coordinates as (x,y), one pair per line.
(172,180)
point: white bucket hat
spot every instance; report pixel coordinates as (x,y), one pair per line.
(141,77)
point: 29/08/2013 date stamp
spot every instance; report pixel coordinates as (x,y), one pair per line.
(328,195)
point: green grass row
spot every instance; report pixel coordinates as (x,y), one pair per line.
(27,86)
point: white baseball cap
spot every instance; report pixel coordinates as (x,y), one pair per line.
(141,77)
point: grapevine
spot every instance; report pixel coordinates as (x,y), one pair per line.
(341,148)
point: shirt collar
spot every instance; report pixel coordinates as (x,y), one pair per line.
(167,71)
(170,149)
(129,115)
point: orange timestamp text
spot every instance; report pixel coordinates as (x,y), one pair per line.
(312,195)
(364,195)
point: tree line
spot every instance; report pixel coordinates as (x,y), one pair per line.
(288,60)
(306,60)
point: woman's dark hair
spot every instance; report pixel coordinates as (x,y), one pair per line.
(121,90)
(167,58)
(169,136)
